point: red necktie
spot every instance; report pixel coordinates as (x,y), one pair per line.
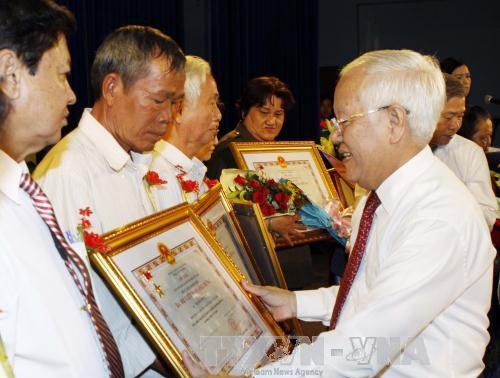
(355,256)
(72,261)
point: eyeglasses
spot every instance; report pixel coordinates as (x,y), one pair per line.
(342,123)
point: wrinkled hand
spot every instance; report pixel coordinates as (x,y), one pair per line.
(287,226)
(280,302)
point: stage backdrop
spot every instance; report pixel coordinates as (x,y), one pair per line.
(241,39)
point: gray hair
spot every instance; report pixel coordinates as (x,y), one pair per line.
(128,51)
(407,78)
(197,71)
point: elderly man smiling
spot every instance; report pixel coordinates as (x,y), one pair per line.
(417,286)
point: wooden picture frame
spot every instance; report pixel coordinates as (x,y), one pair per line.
(217,214)
(184,293)
(299,162)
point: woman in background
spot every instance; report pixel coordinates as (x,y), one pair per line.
(458,69)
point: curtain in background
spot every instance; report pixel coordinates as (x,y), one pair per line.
(96,19)
(245,38)
(267,37)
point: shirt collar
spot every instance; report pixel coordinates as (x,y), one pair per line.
(173,155)
(105,143)
(10,176)
(398,183)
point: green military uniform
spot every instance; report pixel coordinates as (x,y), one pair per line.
(222,157)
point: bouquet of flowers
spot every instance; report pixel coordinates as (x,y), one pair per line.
(273,197)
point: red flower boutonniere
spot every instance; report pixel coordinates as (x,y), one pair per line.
(93,241)
(153,178)
(188,186)
(210,183)
(323,124)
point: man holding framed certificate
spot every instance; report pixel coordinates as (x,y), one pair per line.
(98,171)
(414,298)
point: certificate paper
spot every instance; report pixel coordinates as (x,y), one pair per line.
(217,221)
(298,162)
(183,291)
(194,304)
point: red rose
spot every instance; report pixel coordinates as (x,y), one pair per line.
(85,212)
(271,182)
(189,186)
(267,209)
(283,206)
(281,197)
(323,124)
(264,191)
(240,180)
(254,184)
(94,241)
(153,178)
(211,183)
(259,197)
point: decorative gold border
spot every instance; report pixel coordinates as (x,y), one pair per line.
(137,232)
(267,238)
(238,149)
(206,202)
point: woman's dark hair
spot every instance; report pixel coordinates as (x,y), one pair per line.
(260,89)
(471,119)
(31,27)
(448,65)
(128,51)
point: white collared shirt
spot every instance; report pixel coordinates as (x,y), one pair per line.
(88,168)
(44,330)
(168,161)
(423,286)
(468,161)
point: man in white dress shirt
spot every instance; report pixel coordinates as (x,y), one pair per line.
(417,305)
(138,84)
(174,156)
(465,158)
(46,333)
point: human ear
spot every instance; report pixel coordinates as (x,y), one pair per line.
(111,86)
(10,73)
(397,123)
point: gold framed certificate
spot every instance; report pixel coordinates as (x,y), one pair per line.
(216,212)
(299,162)
(184,293)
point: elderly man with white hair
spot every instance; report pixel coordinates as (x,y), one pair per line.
(174,157)
(417,286)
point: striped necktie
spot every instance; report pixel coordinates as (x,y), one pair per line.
(355,256)
(72,260)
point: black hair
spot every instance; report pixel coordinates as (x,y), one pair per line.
(260,89)
(128,51)
(471,119)
(31,27)
(448,65)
